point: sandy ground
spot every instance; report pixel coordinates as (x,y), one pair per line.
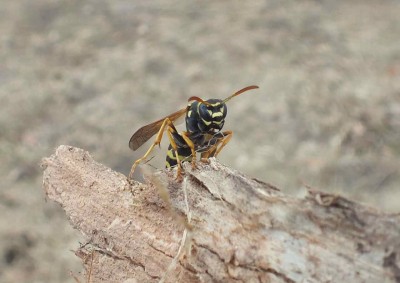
(89,73)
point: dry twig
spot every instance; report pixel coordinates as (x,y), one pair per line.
(241,229)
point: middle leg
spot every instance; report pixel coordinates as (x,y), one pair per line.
(191,145)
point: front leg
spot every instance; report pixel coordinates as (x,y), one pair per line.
(214,149)
(224,141)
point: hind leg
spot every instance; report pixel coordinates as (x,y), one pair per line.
(171,128)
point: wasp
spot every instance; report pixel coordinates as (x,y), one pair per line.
(204,122)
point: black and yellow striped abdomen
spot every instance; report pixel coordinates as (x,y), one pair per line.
(184,154)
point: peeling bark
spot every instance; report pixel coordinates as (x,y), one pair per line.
(217,225)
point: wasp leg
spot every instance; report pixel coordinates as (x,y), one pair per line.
(214,150)
(210,152)
(167,122)
(189,142)
(206,155)
(171,130)
(227,137)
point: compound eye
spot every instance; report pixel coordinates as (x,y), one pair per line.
(204,112)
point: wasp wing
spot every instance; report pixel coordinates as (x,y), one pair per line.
(146,132)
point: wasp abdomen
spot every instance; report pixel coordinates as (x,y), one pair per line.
(184,154)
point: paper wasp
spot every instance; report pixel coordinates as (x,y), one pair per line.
(204,121)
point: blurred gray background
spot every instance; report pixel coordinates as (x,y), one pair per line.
(90,73)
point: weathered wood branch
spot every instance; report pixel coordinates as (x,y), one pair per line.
(217,225)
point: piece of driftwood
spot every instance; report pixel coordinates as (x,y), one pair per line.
(217,225)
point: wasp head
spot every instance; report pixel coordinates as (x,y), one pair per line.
(206,116)
(213,113)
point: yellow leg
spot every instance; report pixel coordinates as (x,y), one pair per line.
(191,146)
(227,137)
(167,122)
(214,150)
(175,148)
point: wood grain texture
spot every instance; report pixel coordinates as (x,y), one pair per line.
(234,228)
